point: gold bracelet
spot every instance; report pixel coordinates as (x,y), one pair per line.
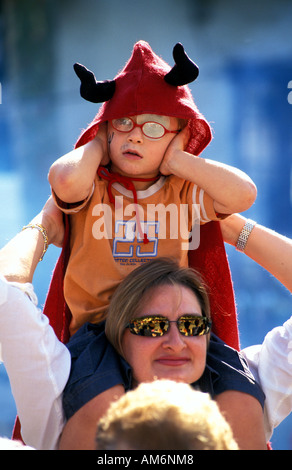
(43,231)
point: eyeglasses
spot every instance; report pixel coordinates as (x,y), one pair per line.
(154,325)
(151,129)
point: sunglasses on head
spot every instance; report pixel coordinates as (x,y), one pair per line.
(155,325)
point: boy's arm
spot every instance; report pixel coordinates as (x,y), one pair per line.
(231,189)
(71,176)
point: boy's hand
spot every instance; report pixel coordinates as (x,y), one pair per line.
(173,151)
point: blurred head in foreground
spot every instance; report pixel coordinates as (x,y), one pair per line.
(164,415)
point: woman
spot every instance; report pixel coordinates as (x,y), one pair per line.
(141,328)
(24,267)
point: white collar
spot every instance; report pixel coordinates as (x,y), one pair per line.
(143,194)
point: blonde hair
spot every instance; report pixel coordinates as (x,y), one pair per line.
(129,295)
(164,415)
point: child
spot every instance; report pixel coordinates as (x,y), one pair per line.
(146,144)
(149,134)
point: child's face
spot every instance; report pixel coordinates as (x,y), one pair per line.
(134,154)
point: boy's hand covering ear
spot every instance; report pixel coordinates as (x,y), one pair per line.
(172,157)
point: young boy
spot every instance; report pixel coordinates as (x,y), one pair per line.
(149,134)
(108,239)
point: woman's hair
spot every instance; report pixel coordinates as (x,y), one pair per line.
(130,294)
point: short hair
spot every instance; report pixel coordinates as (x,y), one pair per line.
(129,295)
(164,415)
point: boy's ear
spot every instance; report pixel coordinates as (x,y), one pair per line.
(184,71)
(91,89)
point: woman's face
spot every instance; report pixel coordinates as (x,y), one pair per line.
(171,356)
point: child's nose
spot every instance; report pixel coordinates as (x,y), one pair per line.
(135,135)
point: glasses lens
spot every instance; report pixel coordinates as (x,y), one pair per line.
(149,326)
(154,130)
(193,325)
(189,325)
(123,124)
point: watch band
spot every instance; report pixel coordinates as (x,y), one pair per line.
(244,234)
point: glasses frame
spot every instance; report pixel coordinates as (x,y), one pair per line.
(166,131)
(205,321)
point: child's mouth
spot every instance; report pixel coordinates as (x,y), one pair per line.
(131,154)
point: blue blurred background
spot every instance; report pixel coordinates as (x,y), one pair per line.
(244,51)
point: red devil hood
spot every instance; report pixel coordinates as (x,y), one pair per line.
(147,84)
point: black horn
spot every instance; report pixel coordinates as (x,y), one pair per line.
(91,89)
(184,71)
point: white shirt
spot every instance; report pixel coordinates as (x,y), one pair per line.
(37,363)
(38,366)
(271,365)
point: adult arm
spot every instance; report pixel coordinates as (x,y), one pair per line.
(270,362)
(37,364)
(245,417)
(80,431)
(266,247)
(20,256)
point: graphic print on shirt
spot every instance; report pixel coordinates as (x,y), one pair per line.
(130,244)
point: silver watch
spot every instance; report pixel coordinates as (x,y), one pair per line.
(244,234)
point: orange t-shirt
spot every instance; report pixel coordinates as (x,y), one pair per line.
(107,243)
